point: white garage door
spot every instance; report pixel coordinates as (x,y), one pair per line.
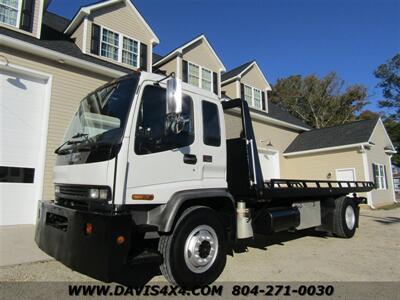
(269,160)
(22,101)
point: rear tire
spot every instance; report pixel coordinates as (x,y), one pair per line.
(195,253)
(345,218)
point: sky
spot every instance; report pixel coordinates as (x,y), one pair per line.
(285,37)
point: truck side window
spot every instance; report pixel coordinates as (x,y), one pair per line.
(211,128)
(152,136)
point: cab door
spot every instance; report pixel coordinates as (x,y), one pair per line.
(213,144)
(159,161)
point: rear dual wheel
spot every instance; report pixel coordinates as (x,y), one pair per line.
(195,253)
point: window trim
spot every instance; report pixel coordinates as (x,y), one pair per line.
(380,176)
(19,13)
(136,119)
(252,95)
(201,68)
(120,46)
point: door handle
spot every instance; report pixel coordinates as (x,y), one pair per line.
(190,159)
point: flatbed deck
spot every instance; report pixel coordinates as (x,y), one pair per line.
(245,178)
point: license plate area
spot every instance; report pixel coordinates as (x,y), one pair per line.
(57,221)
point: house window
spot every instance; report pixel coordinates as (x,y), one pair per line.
(109,44)
(200,76)
(206,79)
(10,11)
(379,171)
(257,98)
(248,94)
(118,47)
(130,52)
(194,74)
(253,96)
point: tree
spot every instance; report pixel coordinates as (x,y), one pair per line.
(368,115)
(393,129)
(389,75)
(320,102)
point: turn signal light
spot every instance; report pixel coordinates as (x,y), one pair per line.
(89,228)
(120,239)
(142,197)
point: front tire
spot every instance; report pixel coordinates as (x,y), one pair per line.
(345,218)
(195,253)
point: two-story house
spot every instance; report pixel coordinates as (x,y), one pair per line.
(47,65)
(195,62)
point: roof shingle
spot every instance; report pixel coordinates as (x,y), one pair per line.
(347,134)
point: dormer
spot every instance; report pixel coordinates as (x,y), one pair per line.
(249,83)
(196,63)
(24,16)
(115,31)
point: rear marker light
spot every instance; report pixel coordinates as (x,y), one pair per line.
(89,228)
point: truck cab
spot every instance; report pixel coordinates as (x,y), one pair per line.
(146,157)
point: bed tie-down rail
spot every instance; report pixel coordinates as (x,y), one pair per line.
(314,188)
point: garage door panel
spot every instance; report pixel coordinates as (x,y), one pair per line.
(22,99)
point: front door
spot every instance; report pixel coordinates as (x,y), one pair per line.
(160,162)
(269,161)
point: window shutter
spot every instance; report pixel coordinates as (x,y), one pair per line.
(386,182)
(95,42)
(27,15)
(143,57)
(264,103)
(375,174)
(242,91)
(185,76)
(215,80)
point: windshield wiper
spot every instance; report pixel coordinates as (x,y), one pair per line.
(72,142)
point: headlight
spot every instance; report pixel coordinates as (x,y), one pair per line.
(94,193)
(57,189)
(103,194)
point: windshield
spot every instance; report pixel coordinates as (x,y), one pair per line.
(101,117)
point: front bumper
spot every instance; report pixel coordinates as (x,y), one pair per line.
(60,232)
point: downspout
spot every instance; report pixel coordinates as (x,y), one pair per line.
(366,175)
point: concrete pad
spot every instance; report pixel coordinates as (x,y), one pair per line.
(17,245)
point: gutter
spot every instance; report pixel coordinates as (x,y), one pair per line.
(59,57)
(326,149)
(266,119)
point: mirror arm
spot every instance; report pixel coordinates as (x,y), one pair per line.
(172,75)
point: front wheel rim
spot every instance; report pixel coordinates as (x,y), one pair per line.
(201,249)
(350,217)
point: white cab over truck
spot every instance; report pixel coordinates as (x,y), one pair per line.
(146,157)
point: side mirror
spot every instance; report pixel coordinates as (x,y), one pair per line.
(174,96)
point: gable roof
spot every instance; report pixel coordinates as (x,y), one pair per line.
(180,49)
(235,72)
(55,21)
(86,10)
(354,133)
(50,47)
(238,72)
(156,57)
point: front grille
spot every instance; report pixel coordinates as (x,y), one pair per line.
(74,191)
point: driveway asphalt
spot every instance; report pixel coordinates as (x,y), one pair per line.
(373,254)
